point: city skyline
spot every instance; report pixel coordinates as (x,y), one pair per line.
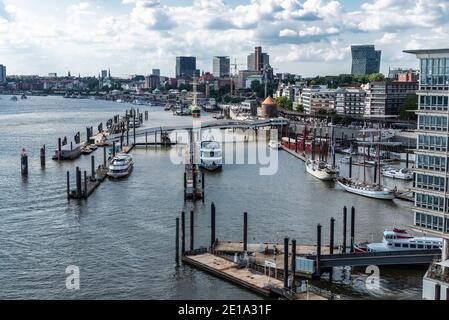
(310,37)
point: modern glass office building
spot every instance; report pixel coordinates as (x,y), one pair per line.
(185,67)
(431,185)
(365,60)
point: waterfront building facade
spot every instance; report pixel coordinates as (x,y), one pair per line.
(2,74)
(221,67)
(431,184)
(350,101)
(365,60)
(185,67)
(385,98)
(318,99)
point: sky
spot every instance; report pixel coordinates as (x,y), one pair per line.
(307,37)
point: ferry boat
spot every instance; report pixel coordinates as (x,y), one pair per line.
(273,144)
(401,173)
(121,166)
(365,189)
(321,170)
(68,152)
(397,239)
(211,157)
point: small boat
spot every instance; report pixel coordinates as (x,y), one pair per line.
(93,147)
(397,239)
(86,150)
(321,170)
(121,166)
(14,98)
(196,111)
(211,157)
(401,173)
(374,191)
(23,97)
(273,144)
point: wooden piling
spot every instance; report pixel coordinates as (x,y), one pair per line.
(318,250)
(286,263)
(375,173)
(113,148)
(42,156)
(352,228)
(177,241)
(59,149)
(92,167)
(212,225)
(134,127)
(68,185)
(24,163)
(245,231)
(202,187)
(345,218)
(85,184)
(78,182)
(191,231)
(183,233)
(406,160)
(350,166)
(104,157)
(293,264)
(331,242)
(437,291)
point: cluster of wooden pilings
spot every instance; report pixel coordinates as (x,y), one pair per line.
(24,160)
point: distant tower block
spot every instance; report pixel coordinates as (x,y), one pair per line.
(269,108)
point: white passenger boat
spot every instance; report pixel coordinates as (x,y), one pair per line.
(321,170)
(273,144)
(121,166)
(397,239)
(211,157)
(401,173)
(365,189)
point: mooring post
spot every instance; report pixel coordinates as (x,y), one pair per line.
(245,231)
(350,166)
(286,263)
(127,130)
(191,231)
(134,128)
(78,182)
(345,218)
(24,163)
(59,149)
(92,167)
(113,148)
(42,156)
(293,264)
(352,228)
(177,241)
(406,160)
(104,157)
(437,291)
(202,186)
(375,173)
(185,186)
(68,185)
(85,184)
(146,139)
(331,242)
(183,233)
(212,226)
(318,250)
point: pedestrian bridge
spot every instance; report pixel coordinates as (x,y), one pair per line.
(216,124)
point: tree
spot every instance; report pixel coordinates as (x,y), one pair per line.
(284,102)
(410,104)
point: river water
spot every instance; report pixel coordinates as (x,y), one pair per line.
(122,238)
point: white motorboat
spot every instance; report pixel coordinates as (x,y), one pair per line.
(397,239)
(345,159)
(365,189)
(321,170)
(211,157)
(273,144)
(121,166)
(401,173)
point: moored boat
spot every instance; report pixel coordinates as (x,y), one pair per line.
(121,166)
(365,189)
(321,170)
(273,144)
(398,173)
(211,157)
(398,239)
(68,152)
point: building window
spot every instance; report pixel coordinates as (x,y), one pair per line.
(431,163)
(432,123)
(428,221)
(425,181)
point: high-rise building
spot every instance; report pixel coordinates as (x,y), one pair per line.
(156,72)
(258,60)
(104,74)
(2,74)
(221,67)
(431,183)
(185,67)
(365,60)
(350,101)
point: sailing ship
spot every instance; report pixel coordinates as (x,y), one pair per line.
(321,170)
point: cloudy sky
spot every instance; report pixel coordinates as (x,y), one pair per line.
(307,37)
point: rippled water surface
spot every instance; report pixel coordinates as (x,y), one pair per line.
(122,238)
